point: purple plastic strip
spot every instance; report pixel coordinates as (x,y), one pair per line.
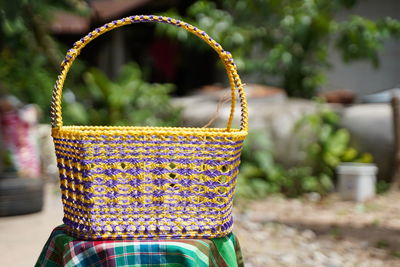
(196,148)
(171,154)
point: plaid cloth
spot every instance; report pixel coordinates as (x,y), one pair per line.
(64,250)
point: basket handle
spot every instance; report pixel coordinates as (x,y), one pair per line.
(226,57)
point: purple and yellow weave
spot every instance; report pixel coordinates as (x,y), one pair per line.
(148,182)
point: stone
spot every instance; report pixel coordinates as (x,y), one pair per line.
(308,234)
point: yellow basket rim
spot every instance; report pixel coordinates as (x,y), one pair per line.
(146,131)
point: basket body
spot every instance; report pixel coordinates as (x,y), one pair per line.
(145,183)
(148,182)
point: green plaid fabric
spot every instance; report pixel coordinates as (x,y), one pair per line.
(64,250)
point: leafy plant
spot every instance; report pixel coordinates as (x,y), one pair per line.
(14,73)
(261,175)
(128,101)
(30,60)
(326,145)
(330,143)
(286,43)
(29,56)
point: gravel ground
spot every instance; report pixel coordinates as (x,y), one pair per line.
(281,232)
(272,232)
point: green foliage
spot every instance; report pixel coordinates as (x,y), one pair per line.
(29,57)
(29,66)
(286,42)
(362,38)
(128,101)
(382,186)
(17,58)
(326,145)
(330,144)
(14,75)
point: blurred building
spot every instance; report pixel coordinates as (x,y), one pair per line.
(361,77)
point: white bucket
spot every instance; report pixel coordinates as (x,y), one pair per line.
(356,181)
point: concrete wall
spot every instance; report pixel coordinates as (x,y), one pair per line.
(360,76)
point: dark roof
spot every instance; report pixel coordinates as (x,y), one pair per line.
(64,22)
(101,11)
(109,9)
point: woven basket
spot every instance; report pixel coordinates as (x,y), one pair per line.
(148,182)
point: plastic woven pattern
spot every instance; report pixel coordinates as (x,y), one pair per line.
(148,182)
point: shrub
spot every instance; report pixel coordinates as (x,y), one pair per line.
(326,145)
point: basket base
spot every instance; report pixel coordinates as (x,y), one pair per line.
(145,236)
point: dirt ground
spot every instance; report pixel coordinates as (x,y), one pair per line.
(282,232)
(22,237)
(272,232)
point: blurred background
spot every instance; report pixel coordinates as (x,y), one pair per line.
(320,171)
